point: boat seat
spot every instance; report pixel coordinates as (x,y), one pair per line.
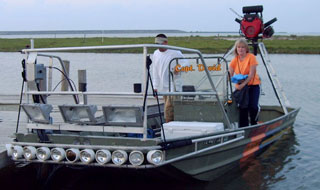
(188,88)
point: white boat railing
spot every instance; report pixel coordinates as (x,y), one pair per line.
(116,93)
(26,51)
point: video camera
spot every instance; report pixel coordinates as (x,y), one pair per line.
(252,26)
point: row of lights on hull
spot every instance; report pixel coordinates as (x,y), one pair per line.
(86,156)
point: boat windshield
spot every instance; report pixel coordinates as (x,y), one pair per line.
(189,75)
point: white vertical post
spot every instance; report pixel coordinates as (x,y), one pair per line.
(31,43)
(82,84)
(65,84)
(50,74)
(102,37)
(145,126)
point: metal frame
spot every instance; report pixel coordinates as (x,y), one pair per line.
(145,51)
(283,101)
(146,148)
(88,128)
(63,69)
(203,78)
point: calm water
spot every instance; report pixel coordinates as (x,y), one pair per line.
(292,163)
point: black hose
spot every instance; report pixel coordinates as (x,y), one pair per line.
(41,96)
(66,78)
(176,144)
(58,84)
(76,98)
(18,119)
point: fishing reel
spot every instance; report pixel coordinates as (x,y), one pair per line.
(252,26)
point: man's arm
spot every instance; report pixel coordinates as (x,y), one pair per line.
(155,75)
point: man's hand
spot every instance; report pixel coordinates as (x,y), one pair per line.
(155,93)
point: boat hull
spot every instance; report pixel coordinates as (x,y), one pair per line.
(202,160)
(212,164)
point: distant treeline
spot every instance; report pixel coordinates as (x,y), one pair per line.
(41,32)
(210,45)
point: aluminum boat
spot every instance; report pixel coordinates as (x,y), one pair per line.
(126,130)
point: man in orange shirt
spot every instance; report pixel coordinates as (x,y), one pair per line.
(245,63)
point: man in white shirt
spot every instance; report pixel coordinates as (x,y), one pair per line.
(160,72)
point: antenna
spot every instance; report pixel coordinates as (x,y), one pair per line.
(235,13)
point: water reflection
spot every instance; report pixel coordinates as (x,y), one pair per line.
(263,171)
(62,177)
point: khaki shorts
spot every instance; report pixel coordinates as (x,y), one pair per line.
(168,108)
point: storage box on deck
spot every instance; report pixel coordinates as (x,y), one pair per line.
(177,129)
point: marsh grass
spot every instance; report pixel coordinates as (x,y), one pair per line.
(210,45)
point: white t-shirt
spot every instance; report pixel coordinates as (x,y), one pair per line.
(160,72)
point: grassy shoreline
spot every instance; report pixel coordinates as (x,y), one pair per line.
(209,45)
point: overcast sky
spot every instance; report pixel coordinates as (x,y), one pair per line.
(293,16)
